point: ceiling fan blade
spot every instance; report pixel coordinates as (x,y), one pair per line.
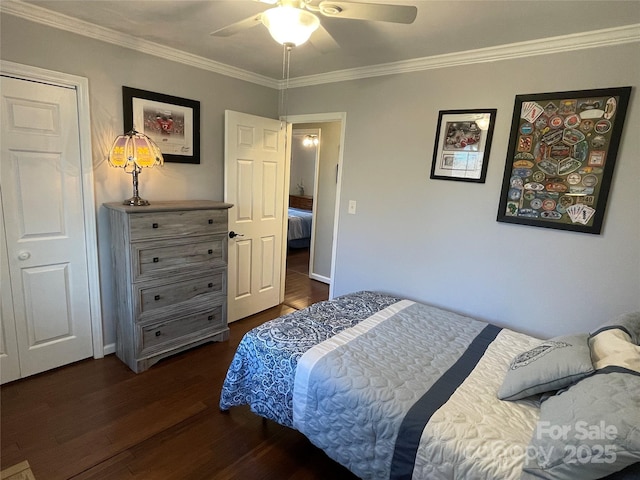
(369,11)
(238,26)
(322,40)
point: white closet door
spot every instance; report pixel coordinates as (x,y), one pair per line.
(43,218)
(9,361)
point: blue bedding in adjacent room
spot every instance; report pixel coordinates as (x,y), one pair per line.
(299,231)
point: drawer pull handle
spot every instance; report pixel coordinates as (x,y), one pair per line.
(155,225)
(156,298)
(158,333)
(210,252)
(156,259)
(210,317)
(210,221)
(210,285)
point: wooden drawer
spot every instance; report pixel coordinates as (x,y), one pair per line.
(154,297)
(154,225)
(156,259)
(182,329)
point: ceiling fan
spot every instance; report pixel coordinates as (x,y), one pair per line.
(291,22)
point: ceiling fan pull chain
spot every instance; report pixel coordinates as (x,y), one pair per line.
(286,62)
(281,92)
(288,49)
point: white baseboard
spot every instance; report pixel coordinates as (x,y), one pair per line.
(320,278)
(109,349)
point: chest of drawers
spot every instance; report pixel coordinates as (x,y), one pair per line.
(303,202)
(169,264)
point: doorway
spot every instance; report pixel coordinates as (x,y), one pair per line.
(231,138)
(330,128)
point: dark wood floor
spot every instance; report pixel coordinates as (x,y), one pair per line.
(96,419)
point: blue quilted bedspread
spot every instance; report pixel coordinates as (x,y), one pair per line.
(262,372)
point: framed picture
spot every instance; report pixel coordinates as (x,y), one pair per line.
(172,122)
(560,160)
(463,142)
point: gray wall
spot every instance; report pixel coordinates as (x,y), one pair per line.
(108,68)
(303,165)
(438,241)
(327,189)
(432,240)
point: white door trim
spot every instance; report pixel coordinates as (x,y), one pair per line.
(81,86)
(319,118)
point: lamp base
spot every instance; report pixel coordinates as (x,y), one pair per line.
(136,201)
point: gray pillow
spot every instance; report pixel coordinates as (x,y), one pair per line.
(589,430)
(554,364)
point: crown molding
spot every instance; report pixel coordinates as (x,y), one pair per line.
(545,46)
(63,22)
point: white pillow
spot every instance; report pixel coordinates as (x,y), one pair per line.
(614,347)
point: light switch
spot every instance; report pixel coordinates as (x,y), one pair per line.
(352,207)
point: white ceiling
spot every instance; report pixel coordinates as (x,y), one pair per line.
(441,27)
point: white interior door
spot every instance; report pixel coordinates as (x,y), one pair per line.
(254,183)
(41,188)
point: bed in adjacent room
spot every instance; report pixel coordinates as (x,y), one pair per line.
(392,388)
(299,230)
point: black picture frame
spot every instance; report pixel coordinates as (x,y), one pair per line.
(462,144)
(561,156)
(172,122)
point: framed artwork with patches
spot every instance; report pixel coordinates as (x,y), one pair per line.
(561,156)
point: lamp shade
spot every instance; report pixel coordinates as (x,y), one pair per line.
(134,149)
(290,25)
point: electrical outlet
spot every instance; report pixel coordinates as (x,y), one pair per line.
(352,207)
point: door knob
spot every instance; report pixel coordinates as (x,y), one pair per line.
(24,255)
(233,234)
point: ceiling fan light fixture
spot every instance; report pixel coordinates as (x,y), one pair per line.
(310,141)
(290,25)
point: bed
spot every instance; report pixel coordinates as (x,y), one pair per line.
(299,230)
(395,389)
